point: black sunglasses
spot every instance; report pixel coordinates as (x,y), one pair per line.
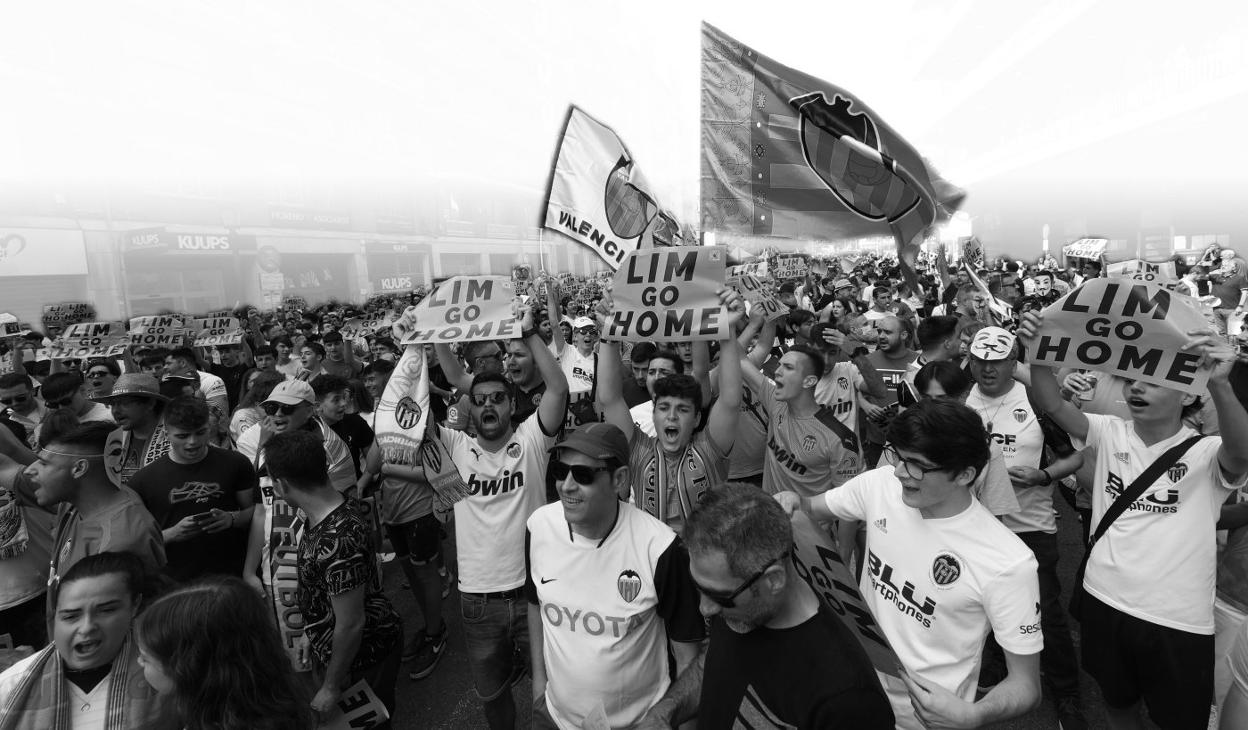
(15,400)
(496,397)
(580,474)
(285,408)
(729,600)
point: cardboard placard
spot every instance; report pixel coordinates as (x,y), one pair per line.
(790,266)
(759,294)
(13,329)
(669,295)
(1132,329)
(1086,248)
(358,708)
(212,331)
(462,309)
(90,339)
(756,268)
(358,327)
(67,313)
(158,331)
(1162,272)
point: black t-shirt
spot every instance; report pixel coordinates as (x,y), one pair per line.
(233,377)
(356,434)
(172,491)
(526,403)
(814,675)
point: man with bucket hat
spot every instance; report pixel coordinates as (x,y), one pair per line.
(140,437)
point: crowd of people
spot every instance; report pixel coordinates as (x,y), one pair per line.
(196,537)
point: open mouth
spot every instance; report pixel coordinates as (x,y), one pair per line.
(671,432)
(86,648)
(1137,403)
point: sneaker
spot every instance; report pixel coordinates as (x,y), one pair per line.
(430,654)
(413,646)
(448,580)
(1070,715)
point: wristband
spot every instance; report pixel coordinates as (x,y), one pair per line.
(1048,478)
(526,334)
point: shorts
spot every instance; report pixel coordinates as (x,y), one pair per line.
(1132,659)
(417,540)
(496,635)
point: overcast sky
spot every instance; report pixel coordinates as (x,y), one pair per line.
(1069,109)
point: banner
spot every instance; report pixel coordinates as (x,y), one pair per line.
(759,294)
(464,309)
(358,708)
(599,198)
(359,327)
(1086,248)
(669,295)
(210,331)
(159,331)
(1002,312)
(973,253)
(13,329)
(790,155)
(90,339)
(790,266)
(1162,272)
(63,315)
(279,564)
(757,268)
(1124,328)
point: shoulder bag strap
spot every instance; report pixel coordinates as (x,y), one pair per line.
(1141,483)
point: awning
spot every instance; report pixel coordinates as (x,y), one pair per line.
(1086,248)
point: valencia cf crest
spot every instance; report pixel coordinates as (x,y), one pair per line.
(1020,414)
(629,585)
(946,569)
(1177,472)
(513,450)
(843,383)
(407,413)
(843,148)
(809,443)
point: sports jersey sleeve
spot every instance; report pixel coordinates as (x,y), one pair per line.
(341,469)
(678,597)
(1012,602)
(848,501)
(767,396)
(1098,431)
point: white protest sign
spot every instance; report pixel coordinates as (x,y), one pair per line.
(89,339)
(358,327)
(1124,328)
(211,331)
(158,331)
(1162,272)
(756,268)
(13,329)
(358,708)
(759,294)
(669,295)
(463,309)
(790,266)
(1086,248)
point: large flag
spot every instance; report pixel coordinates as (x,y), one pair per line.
(786,154)
(599,197)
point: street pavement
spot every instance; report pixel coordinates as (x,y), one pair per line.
(446,699)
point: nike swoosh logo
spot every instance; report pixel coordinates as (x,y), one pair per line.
(547,580)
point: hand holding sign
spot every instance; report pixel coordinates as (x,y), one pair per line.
(1215,353)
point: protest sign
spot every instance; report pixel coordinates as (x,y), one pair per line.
(211,331)
(358,327)
(357,708)
(1086,248)
(159,331)
(756,268)
(669,295)
(790,266)
(65,314)
(295,302)
(13,329)
(599,198)
(758,294)
(90,339)
(463,309)
(1161,272)
(1125,328)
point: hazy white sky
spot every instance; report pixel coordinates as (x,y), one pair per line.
(997,94)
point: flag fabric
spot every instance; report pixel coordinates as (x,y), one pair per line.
(599,197)
(1000,310)
(788,155)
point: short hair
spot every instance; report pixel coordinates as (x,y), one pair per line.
(264,350)
(952,378)
(282,340)
(482,378)
(386,342)
(60,385)
(1093,263)
(799,317)
(643,352)
(685,387)
(937,329)
(128,565)
(744,523)
(669,354)
(472,348)
(187,411)
(185,353)
(88,437)
(378,367)
(109,365)
(297,457)
(260,389)
(943,430)
(153,357)
(323,385)
(816,358)
(13,380)
(171,386)
(881,289)
(316,347)
(56,424)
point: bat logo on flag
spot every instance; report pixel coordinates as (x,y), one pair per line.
(842,147)
(407,413)
(629,585)
(632,213)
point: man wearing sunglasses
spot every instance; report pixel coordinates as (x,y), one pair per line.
(505,470)
(776,650)
(68,390)
(485,356)
(608,589)
(21,404)
(577,361)
(941,571)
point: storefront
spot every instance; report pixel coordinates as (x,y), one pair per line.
(40,266)
(315,268)
(395,267)
(182,270)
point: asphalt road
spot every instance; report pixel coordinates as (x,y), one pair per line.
(446,699)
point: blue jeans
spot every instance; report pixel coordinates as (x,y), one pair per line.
(496,629)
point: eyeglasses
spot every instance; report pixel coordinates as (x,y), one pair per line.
(495,396)
(729,600)
(580,474)
(916,471)
(286,409)
(588,332)
(15,400)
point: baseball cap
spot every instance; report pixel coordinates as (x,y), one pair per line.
(582,322)
(597,441)
(843,283)
(291,393)
(992,343)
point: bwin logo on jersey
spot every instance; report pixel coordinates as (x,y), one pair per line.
(1177,472)
(1020,414)
(809,443)
(407,413)
(628,584)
